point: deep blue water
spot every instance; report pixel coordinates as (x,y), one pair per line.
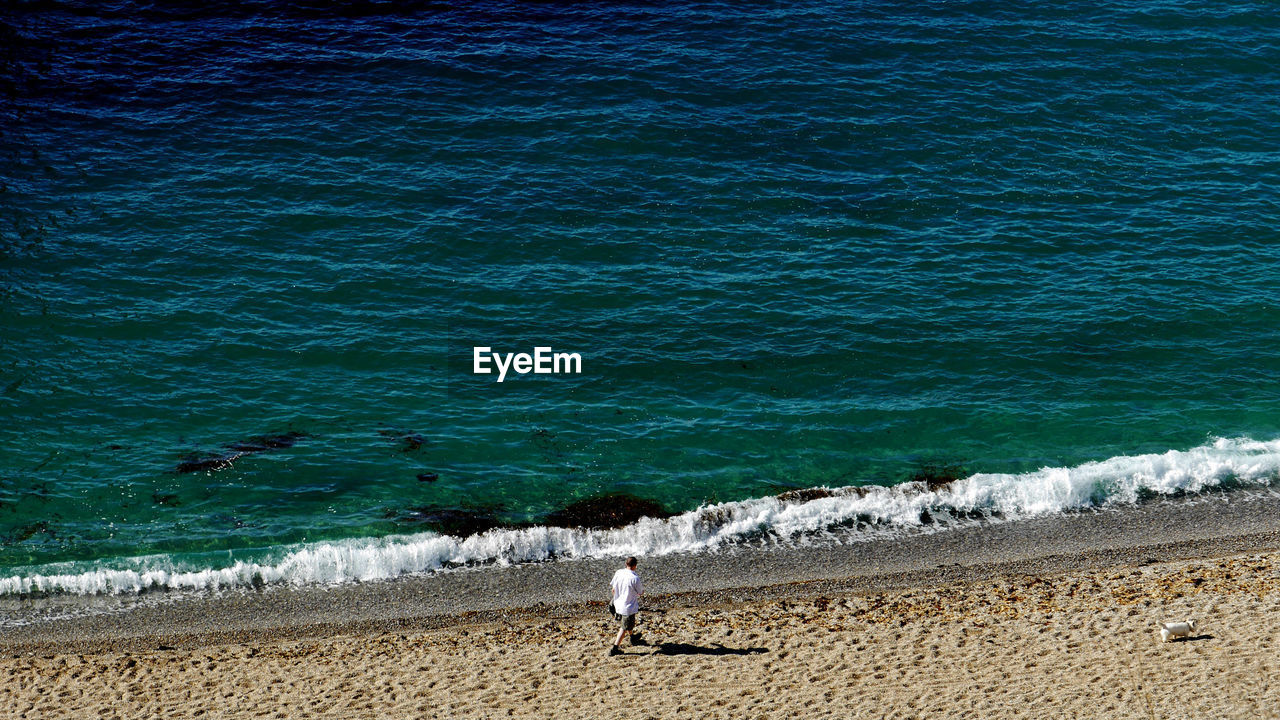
(802,244)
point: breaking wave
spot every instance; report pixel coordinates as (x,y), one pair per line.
(1119,480)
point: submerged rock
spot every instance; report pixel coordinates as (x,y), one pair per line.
(195,463)
(606,511)
(256,444)
(937,477)
(28,531)
(817,493)
(461,522)
(804,494)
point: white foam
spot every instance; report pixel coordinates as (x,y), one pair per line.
(1118,480)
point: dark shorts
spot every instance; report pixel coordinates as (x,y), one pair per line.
(627,622)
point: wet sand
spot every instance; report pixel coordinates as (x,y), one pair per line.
(1056,617)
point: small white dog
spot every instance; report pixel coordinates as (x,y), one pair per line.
(1176,629)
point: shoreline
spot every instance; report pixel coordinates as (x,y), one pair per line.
(1193,528)
(1065,628)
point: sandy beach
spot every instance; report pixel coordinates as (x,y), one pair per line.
(1017,633)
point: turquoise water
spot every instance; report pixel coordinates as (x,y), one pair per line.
(811,244)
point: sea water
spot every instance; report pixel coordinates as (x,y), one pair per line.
(1031,246)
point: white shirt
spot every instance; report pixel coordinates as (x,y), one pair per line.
(626,591)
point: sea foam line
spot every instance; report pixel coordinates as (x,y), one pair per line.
(1118,480)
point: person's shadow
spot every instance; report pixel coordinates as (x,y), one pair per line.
(717,649)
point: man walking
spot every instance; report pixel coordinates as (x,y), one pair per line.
(627,590)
